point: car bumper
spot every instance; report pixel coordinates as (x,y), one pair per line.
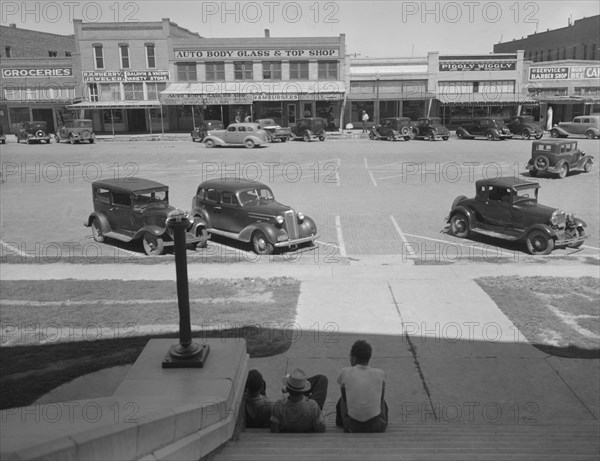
(570,241)
(289,243)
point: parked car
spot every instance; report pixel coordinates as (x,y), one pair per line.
(2,135)
(274,131)
(76,131)
(507,208)
(489,128)
(200,132)
(585,125)
(247,211)
(129,209)
(393,129)
(525,126)
(237,134)
(309,128)
(431,129)
(33,131)
(559,157)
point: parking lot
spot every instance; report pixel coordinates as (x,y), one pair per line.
(368,198)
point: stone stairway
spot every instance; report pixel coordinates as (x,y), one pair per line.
(427,442)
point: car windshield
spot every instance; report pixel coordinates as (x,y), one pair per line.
(525,193)
(155,197)
(82,123)
(256,196)
(36,125)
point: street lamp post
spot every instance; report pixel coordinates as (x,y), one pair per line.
(376,115)
(186,354)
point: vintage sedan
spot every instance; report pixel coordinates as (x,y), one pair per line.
(128,209)
(237,134)
(525,126)
(431,129)
(585,125)
(76,131)
(247,211)
(33,131)
(274,131)
(507,208)
(393,129)
(557,157)
(309,129)
(489,128)
(200,131)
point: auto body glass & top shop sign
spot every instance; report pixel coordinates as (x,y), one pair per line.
(127,76)
(249,54)
(564,73)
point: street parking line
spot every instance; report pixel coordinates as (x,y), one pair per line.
(338,228)
(369,171)
(406,244)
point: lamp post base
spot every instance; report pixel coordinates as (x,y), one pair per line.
(192,356)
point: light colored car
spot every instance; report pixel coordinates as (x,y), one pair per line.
(584,125)
(76,131)
(237,134)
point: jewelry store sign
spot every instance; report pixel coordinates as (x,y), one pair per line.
(220,55)
(126,76)
(564,73)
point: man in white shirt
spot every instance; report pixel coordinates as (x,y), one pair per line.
(362,407)
(365,119)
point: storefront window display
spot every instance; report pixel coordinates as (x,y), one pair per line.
(18,115)
(269,109)
(413,109)
(330,111)
(356,112)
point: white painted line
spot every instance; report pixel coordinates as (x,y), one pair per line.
(327,244)
(338,228)
(369,171)
(14,249)
(337,173)
(406,244)
(591,248)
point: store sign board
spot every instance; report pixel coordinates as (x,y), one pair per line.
(38,72)
(126,76)
(207,55)
(208,99)
(476,66)
(564,73)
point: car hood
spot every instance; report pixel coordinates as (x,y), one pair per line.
(439,128)
(535,212)
(269,208)
(156,211)
(535,126)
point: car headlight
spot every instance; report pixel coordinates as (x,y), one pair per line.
(570,217)
(300,216)
(558,216)
(279,220)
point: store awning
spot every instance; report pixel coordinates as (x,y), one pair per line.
(249,92)
(153,104)
(485,99)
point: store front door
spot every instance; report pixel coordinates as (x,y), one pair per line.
(136,120)
(44,115)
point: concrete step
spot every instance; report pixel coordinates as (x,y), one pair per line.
(435,441)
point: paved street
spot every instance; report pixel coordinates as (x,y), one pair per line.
(367,197)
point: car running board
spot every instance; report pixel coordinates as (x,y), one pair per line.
(499,235)
(117,236)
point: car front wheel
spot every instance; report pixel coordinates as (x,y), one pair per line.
(490,136)
(431,137)
(261,244)
(371,135)
(203,234)
(590,134)
(564,170)
(249,143)
(459,225)
(306,137)
(153,245)
(459,134)
(97,231)
(539,243)
(555,134)
(209,143)
(72,139)
(588,166)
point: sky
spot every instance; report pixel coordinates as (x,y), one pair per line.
(374,28)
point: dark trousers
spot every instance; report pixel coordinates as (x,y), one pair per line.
(318,389)
(375,424)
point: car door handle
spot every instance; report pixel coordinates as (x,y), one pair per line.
(218,208)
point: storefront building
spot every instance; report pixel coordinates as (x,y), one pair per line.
(124,69)
(251,78)
(38,77)
(564,89)
(388,87)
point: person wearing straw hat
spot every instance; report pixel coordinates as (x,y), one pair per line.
(300,410)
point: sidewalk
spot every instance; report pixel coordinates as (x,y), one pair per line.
(449,353)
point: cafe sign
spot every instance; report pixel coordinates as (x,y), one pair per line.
(476,66)
(206,55)
(126,76)
(564,73)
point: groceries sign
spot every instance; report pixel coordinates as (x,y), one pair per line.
(38,72)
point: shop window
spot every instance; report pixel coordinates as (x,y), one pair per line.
(110,92)
(475,87)
(215,71)
(186,71)
(328,70)
(594,51)
(52,54)
(93,92)
(68,54)
(154,90)
(98,56)
(299,70)
(7,52)
(134,91)
(242,70)
(271,70)
(124,52)
(150,56)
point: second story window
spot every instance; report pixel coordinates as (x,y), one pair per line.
(328,70)
(186,71)
(124,52)
(299,70)
(271,70)
(133,91)
(52,54)
(93,91)
(98,57)
(215,71)
(7,51)
(150,56)
(242,70)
